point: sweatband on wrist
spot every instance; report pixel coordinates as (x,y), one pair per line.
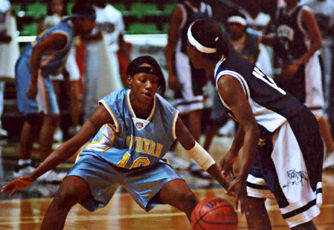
(201,156)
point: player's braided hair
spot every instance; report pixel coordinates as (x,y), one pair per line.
(209,34)
(136,67)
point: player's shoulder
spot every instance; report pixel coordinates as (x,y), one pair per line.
(116,96)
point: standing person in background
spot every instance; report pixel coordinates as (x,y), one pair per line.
(183,78)
(130,133)
(5,39)
(259,21)
(107,34)
(324,13)
(281,156)
(298,41)
(36,99)
(244,44)
(56,10)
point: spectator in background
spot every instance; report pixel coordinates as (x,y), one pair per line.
(55,12)
(44,57)
(259,21)
(5,40)
(297,42)
(183,78)
(324,13)
(244,44)
(108,36)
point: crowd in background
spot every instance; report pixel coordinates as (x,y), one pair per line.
(106,51)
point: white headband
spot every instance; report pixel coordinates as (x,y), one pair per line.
(237,19)
(198,46)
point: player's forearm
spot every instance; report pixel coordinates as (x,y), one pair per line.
(214,171)
(314,48)
(35,64)
(238,141)
(251,140)
(57,157)
(170,59)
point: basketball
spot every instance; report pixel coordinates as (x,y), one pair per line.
(214,213)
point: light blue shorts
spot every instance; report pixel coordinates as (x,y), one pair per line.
(46,100)
(104,179)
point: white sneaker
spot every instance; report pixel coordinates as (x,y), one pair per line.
(24,171)
(52,176)
(329,161)
(58,135)
(177,162)
(3,133)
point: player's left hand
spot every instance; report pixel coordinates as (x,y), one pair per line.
(32,92)
(16,185)
(226,164)
(238,190)
(290,70)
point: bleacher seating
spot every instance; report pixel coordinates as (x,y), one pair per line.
(140,13)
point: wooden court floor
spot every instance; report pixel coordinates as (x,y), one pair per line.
(25,211)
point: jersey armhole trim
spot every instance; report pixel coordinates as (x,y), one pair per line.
(174,124)
(67,36)
(104,103)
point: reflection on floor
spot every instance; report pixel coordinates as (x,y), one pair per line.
(26,210)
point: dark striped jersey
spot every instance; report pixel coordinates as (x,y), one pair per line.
(271,105)
(290,33)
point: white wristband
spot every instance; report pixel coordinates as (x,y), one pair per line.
(201,156)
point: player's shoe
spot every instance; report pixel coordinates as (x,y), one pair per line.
(3,133)
(23,170)
(58,135)
(52,176)
(329,161)
(177,162)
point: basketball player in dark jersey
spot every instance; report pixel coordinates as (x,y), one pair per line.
(282,147)
(297,42)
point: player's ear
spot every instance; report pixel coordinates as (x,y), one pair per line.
(130,80)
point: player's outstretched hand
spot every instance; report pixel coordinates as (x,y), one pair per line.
(226,164)
(16,185)
(238,190)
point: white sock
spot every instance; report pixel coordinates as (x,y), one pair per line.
(23,162)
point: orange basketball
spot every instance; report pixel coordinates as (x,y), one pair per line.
(214,213)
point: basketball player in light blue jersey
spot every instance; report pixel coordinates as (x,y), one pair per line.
(35,94)
(282,147)
(132,130)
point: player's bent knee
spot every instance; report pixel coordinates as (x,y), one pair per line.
(72,191)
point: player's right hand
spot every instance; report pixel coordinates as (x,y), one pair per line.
(226,164)
(32,92)
(16,185)
(173,83)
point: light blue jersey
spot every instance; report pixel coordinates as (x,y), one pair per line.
(132,142)
(53,63)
